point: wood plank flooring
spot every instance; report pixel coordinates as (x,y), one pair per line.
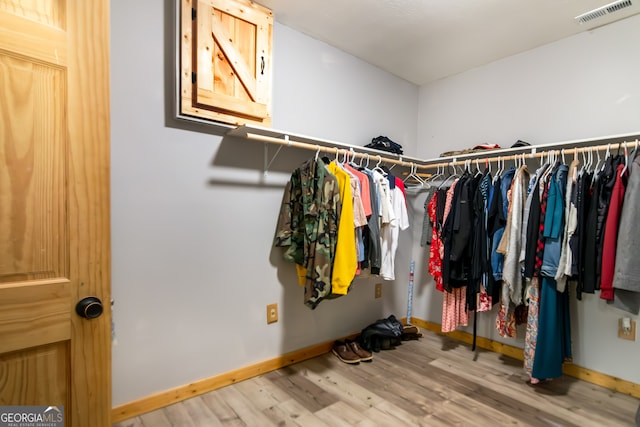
(435,381)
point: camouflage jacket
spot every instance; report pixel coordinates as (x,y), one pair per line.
(307,227)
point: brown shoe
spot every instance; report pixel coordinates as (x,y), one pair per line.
(410,329)
(344,353)
(363,354)
(410,332)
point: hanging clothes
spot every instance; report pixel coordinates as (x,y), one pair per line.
(570,218)
(607,181)
(308,227)
(345,261)
(359,216)
(532,209)
(427,222)
(611,234)
(447,223)
(391,233)
(553,338)
(531,334)
(534,290)
(585,241)
(435,260)
(511,276)
(500,222)
(371,232)
(626,279)
(454,312)
(480,263)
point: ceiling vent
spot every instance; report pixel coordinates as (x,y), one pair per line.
(603,11)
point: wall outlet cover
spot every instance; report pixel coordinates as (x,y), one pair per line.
(272,313)
(378,293)
(627,329)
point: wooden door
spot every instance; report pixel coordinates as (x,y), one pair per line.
(54,206)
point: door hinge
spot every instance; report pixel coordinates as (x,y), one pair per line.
(193,13)
(193,78)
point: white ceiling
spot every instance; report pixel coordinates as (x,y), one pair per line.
(425,40)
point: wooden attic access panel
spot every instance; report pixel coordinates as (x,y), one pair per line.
(226,61)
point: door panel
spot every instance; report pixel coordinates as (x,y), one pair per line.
(54,206)
(34,313)
(36,375)
(32,194)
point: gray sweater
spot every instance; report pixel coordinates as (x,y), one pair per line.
(626,279)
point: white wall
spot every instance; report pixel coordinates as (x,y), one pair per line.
(584,86)
(193,217)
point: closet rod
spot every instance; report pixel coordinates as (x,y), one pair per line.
(506,154)
(533,151)
(510,153)
(373,155)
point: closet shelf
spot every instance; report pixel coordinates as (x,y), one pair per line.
(285,138)
(279,137)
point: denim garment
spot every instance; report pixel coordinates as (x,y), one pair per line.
(554,222)
(497,259)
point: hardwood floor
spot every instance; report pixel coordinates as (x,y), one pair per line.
(435,381)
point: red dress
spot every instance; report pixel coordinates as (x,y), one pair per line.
(435,260)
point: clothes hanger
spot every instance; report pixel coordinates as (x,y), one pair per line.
(584,160)
(478,171)
(498,171)
(626,160)
(345,159)
(411,175)
(378,168)
(433,176)
(607,156)
(596,168)
(360,165)
(317,154)
(353,156)
(453,175)
(442,170)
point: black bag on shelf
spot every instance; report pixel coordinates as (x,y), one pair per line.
(385,144)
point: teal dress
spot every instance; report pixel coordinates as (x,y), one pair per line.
(554,328)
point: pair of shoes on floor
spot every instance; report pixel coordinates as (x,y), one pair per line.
(351,352)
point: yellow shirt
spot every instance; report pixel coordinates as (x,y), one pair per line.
(346,259)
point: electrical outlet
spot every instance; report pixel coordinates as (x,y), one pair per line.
(378,290)
(272,313)
(627,329)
